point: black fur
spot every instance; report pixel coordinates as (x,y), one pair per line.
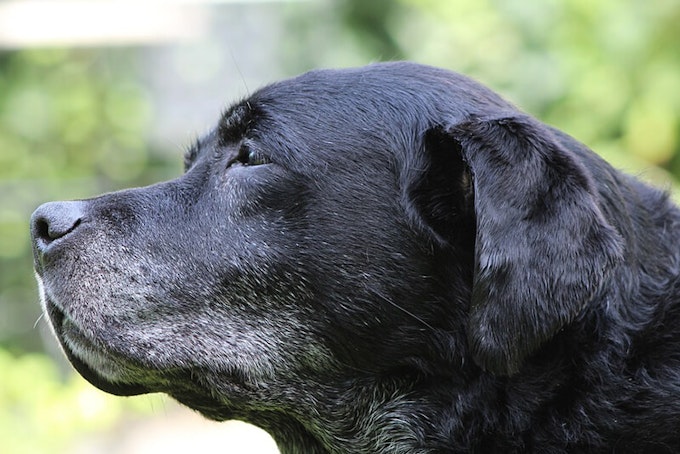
(388,259)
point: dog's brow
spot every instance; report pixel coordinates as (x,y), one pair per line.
(235,122)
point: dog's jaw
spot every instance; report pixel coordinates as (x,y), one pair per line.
(95,365)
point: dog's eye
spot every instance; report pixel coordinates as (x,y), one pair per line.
(251,157)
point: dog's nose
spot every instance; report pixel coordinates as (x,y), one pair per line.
(55,220)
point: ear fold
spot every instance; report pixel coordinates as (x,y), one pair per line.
(542,246)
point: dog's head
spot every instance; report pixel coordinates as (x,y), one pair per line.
(387,221)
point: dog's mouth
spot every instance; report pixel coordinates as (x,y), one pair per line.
(89,360)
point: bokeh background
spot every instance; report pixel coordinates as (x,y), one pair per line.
(99,95)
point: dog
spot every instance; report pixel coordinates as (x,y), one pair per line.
(386,259)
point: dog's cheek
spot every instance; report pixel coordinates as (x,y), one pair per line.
(223,307)
(229,337)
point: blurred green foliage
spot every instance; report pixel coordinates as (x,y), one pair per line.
(41,412)
(74,122)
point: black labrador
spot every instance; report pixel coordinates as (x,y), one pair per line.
(389,259)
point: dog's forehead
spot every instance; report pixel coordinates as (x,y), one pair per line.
(328,104)
(394,92)
(379,106)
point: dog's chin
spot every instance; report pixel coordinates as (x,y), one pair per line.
(95,365)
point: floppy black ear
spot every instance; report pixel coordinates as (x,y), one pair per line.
(542,245)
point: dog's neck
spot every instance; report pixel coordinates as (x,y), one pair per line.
(380,418)
(393,413)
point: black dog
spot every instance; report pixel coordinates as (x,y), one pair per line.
(389,259)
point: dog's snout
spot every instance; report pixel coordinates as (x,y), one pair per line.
(55,220)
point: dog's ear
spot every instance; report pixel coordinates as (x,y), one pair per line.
(542,246)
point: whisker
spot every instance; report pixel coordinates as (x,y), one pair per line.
(405,311)
(40,317)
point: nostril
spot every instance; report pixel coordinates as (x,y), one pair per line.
(49,232)
(55,220)
(42,228)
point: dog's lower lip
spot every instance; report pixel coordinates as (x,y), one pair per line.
(60,321)
(55,314)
